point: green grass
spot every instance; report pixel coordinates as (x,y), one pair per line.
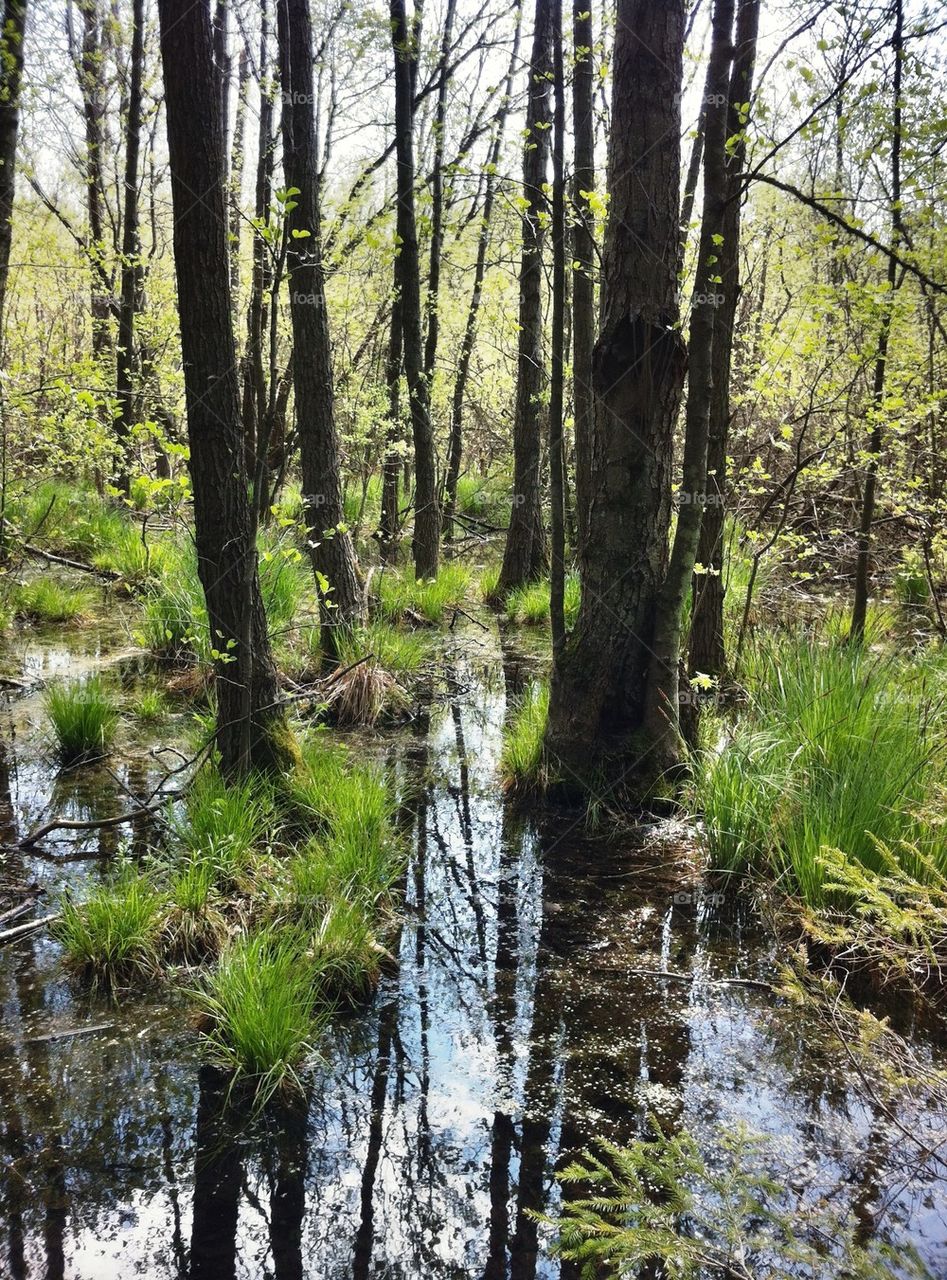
(400,595)
(529,606)
(840,749)
(396,650)
(194,926)
(262,1009)
(111,937)
(174,620)
(150,705)
(521,759)
(490,582)
(137,560)
(84,718)
(46,600)
(225,825)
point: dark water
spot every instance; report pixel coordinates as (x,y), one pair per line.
(511,1034)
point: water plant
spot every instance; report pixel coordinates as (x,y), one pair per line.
(84,718)
(521,759)
(260,1009)
(111,936)
(224,824)
(47,600)
(401,595)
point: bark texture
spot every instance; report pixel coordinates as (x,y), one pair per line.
(251,726)
(330,547)
(525,556)
(11,79)
(597,727)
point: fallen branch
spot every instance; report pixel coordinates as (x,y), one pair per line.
(32,550)
(23,930)
(94,824)
(70,1033)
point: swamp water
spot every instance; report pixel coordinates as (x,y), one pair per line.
(527,1015)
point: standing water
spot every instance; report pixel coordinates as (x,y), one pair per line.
(531,1010)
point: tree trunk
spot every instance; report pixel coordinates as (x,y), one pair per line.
(437,195)
(583,255)
(11,77)
(597,728)
(92,92)
(707,645)
(255,397)
(238,156)
(557,567)
(333,560)
(427,519)
(251,725)
(863,559)
(456,447)
(389,532)
(131,255)
(663,697)
(525,553)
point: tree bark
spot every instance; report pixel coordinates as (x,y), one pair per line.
(583,254)
(92,91)
(11,78)
(341,598)
(597,728)
(707,644)
(437,196)
(663,697)
(131,255)
(525,554)
(557,529)
(251,725)
(427,518)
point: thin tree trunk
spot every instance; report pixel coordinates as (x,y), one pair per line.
(11,78)
(330,546)
(255,399)
(525,553)
(390,528)
(863,559)
(92,92)
(131,255)
(236,170)
(427,519)
(707,643)
(456,448)
(663,707)
(597,728)
(251,725)
(437,196)
(583,254)
(557,568)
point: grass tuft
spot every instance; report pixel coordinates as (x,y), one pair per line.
(111,937)
(522,757)
(401,595)
(48,601)
(84,719)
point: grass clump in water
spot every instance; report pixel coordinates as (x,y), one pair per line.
(529,606)
(261,1011)
(401,595)
(522,757)
(225,824)
(174,623)
(84,719)
(194,926)
(111,937)
(48,601)
(840,750)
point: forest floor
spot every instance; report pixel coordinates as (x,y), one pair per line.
(523,984)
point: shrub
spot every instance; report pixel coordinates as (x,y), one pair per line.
(84,718)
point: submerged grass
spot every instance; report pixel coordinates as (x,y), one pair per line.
(84,718)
